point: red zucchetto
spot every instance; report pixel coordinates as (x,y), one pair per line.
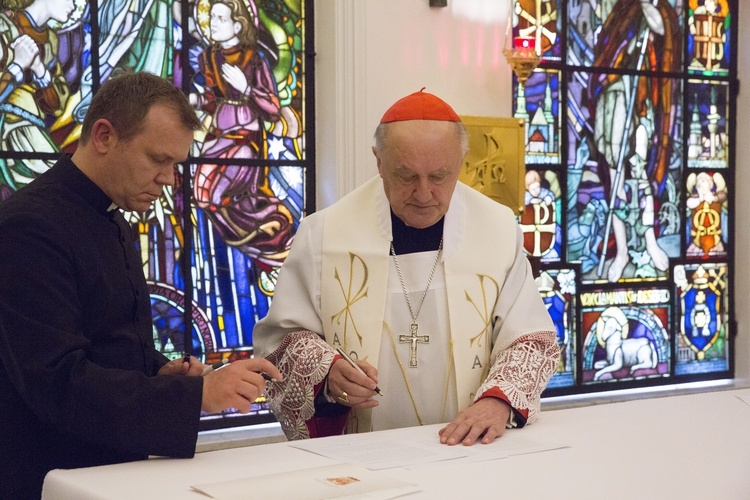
(420,106)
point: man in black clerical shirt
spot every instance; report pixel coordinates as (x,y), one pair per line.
(81,383)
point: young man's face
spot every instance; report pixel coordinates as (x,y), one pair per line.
(60,10)
(419,165)
(222,26)
(141,166)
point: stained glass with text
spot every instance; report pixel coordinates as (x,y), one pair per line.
(643,93)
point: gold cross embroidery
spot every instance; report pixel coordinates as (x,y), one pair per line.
(486,312)
(350,297)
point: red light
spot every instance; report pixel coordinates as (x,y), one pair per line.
(523,42)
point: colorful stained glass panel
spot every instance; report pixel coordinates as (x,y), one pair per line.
(708,38)
(539,21)
(624,172)
(646,97)
(558,290)
(540,220)
(707,112)
(626,335)
(626,34)
(702,345)
(707,215)
(537,103)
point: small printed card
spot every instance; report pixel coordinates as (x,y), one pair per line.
(341,481)
(319,483)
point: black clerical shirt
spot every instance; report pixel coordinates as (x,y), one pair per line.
(77,358)
(407,239)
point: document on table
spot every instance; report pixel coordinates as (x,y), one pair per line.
(318,483)
(375,453)
(511,444)
(408,449)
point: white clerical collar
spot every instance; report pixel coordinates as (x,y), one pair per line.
(112,206)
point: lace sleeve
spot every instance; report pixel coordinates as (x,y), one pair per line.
(521,372)
(303,358)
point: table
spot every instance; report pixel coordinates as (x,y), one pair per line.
(690,446)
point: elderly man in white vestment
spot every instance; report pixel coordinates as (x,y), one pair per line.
(421,280)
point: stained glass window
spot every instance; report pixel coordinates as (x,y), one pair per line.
(629,149)
(537,103)
(540,220)
(558,289)
(212,245)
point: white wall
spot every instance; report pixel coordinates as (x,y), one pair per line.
(369,53)
(372,52)
(742,210)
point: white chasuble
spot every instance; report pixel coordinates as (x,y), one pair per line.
(423,394)
(480,248)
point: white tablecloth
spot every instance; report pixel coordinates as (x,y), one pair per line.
(691,446)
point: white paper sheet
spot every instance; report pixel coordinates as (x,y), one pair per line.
(411,449)
(332,481)
(376,453)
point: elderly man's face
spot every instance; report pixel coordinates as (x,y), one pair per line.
(419,164)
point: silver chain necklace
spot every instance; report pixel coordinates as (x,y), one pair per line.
(414,338)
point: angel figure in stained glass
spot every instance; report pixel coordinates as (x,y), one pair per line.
(236,87)
(705,204)
(133,35)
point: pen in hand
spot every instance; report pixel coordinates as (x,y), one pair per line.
(214,366)
(356,366)
(225,361)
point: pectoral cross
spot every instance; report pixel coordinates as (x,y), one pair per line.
(413,338)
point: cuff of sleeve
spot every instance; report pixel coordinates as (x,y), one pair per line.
(511,423)
(15,70)
(517,418)
(45,80)
(326,395)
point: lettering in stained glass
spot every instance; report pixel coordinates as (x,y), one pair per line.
(626,335)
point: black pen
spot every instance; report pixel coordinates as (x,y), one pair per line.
(186,358)
(215,366)
(356,367)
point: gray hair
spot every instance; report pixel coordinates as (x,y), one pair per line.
(381,137)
